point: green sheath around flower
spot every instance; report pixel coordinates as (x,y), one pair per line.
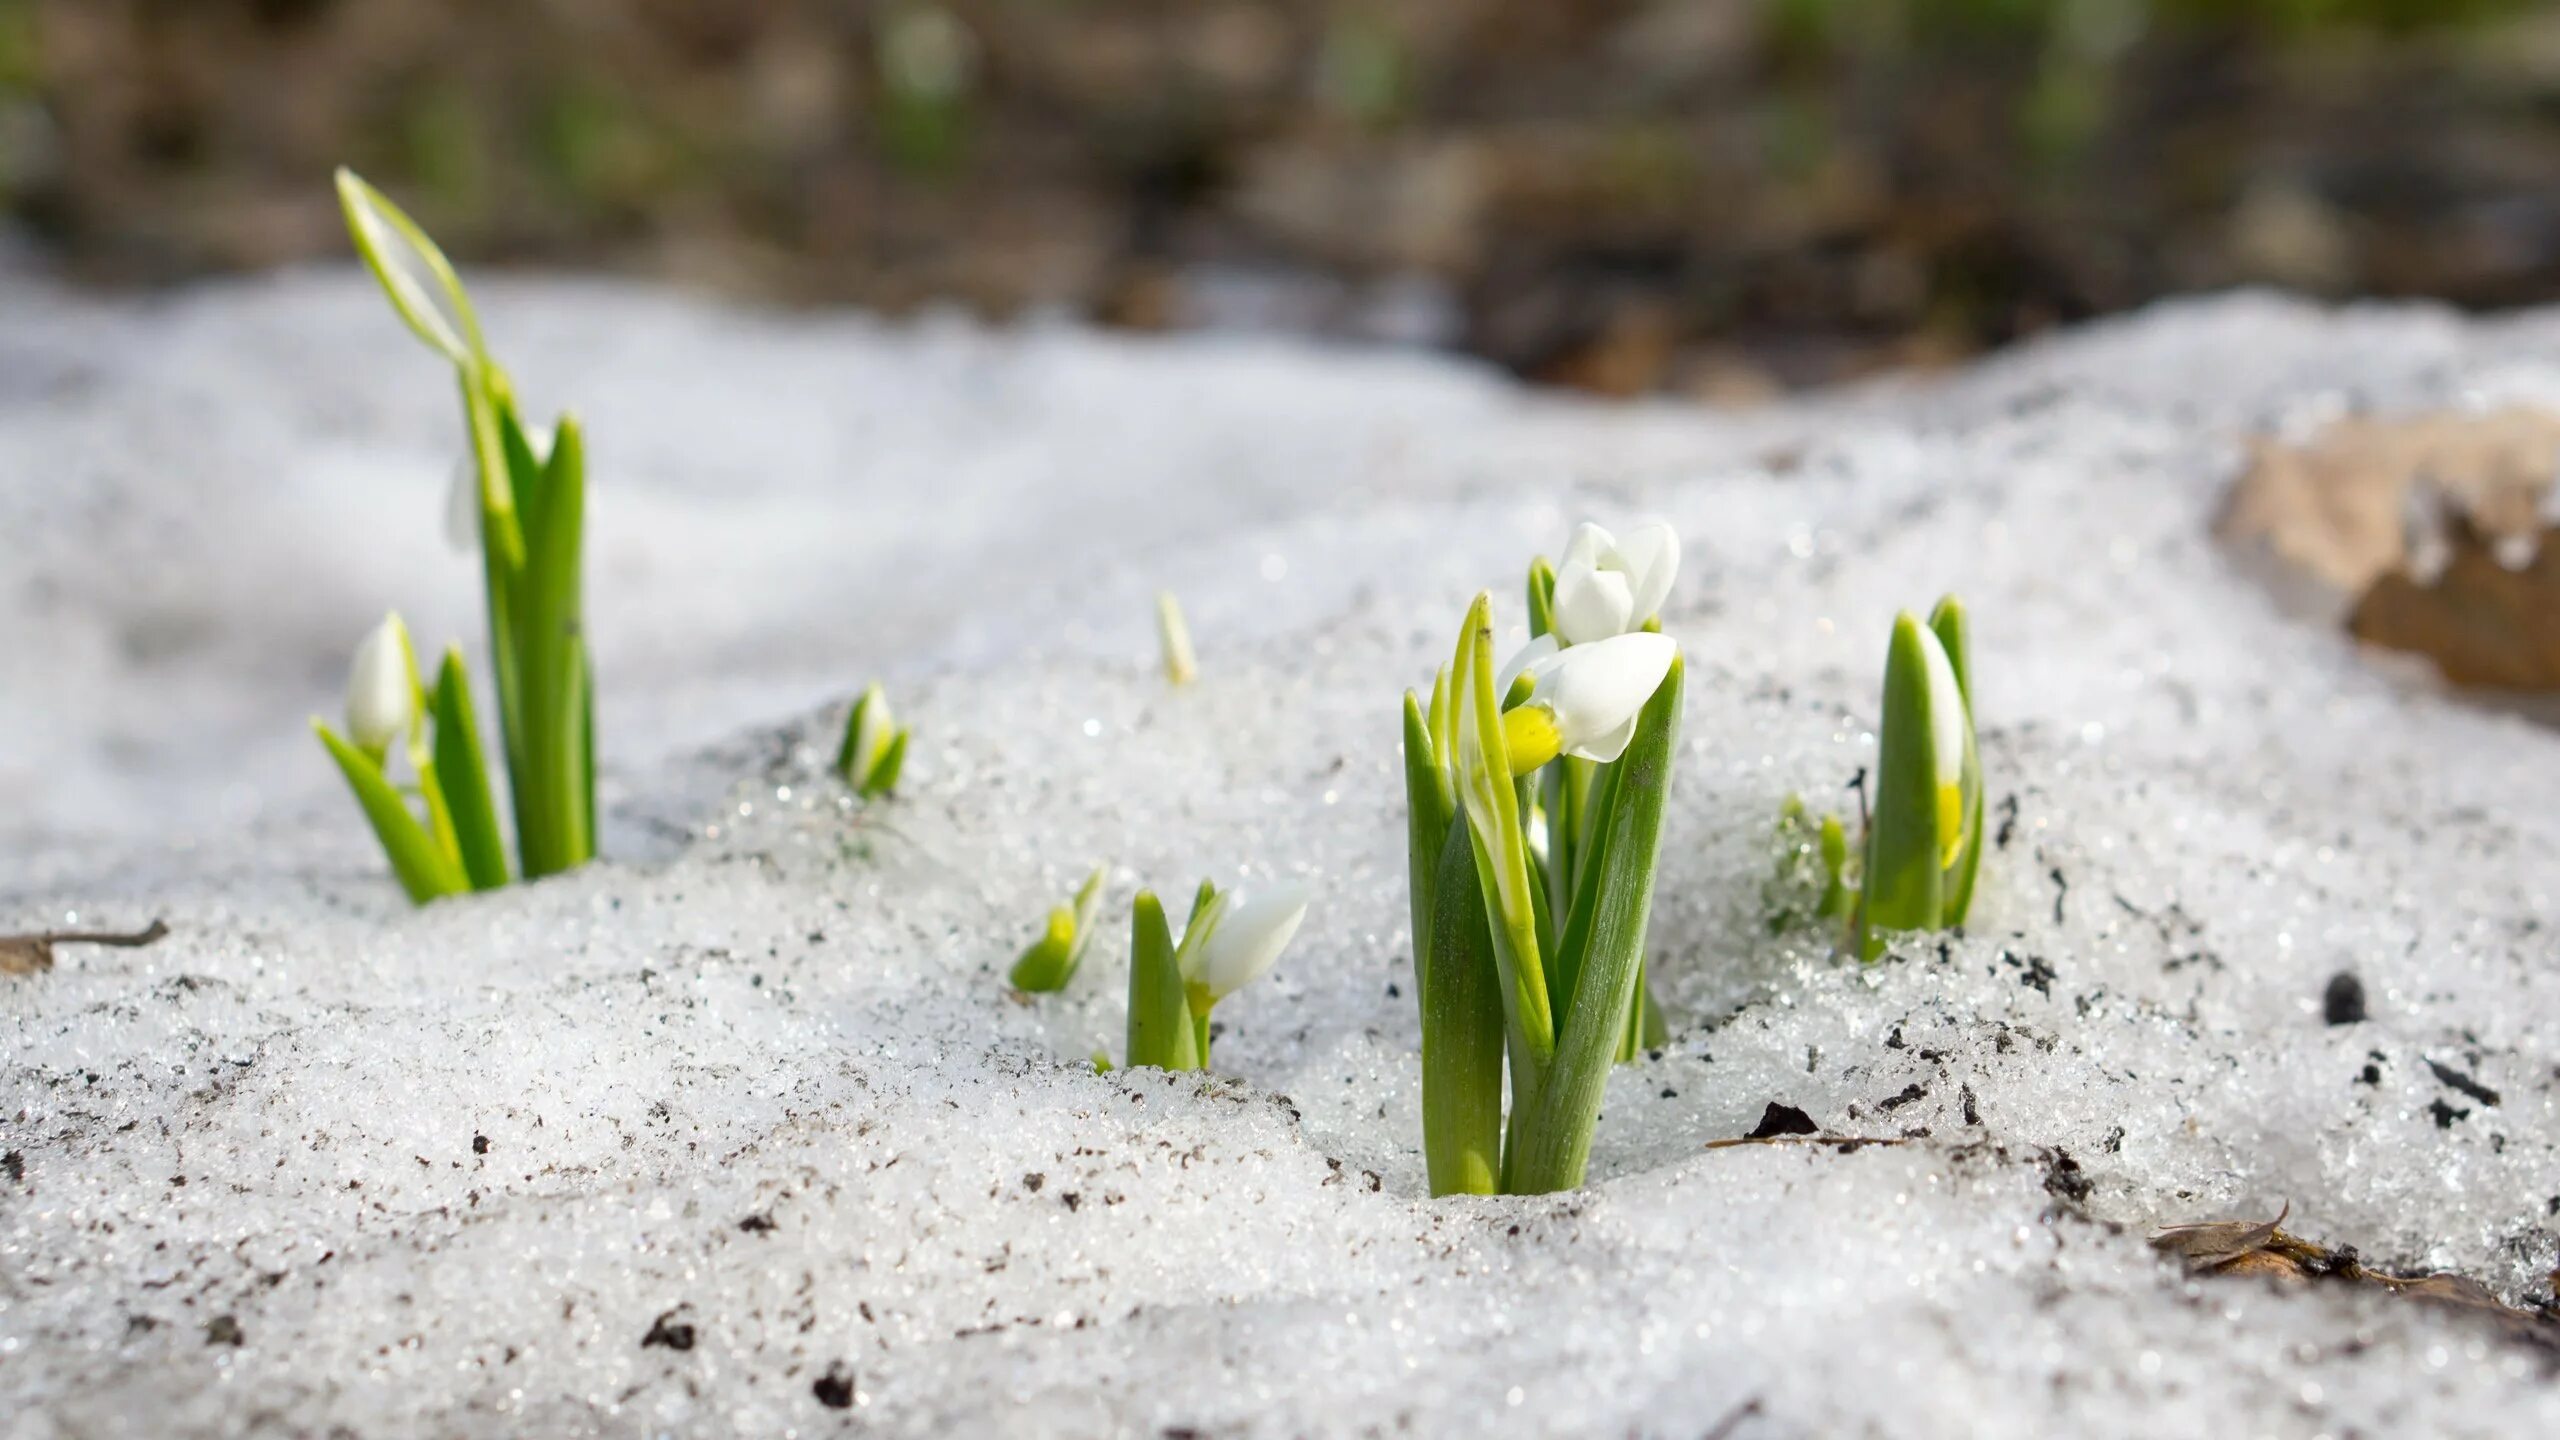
(1922,848)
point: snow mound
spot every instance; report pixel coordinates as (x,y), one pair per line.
(740,1132)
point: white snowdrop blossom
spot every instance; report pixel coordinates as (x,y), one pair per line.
(1609,586)
(1948,725)
(1584,702)
(382,690)
(1241,937)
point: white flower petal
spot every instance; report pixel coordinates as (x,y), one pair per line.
(872,733)
(1589,546)
(1246,935)
(1597,688)
(1523,662)
(382,694)
(1947,719)
(1606,748)
(1651,557)
(1590,604)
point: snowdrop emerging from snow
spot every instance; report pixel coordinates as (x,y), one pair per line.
(1231,940)
(1607,586)
(1923,842)
(382,688)
(874,749)
(453,846)
(522,504)
(1530,902)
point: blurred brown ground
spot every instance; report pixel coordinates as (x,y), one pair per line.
(1719,198)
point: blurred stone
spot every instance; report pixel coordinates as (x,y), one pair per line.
(2364,496)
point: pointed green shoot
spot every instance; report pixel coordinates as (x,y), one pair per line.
(1052,959)
(1904,888)
(1045,964)
(462,774)
(1955,633)
(426,871)
(1160,1029)
(1181,667)
(1555,1132)
(412,272)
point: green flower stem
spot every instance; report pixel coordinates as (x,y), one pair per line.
(1554,1114)
(1463,1044)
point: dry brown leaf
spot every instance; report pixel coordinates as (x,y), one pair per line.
(2481,622)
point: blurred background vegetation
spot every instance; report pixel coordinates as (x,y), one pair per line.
(1718,197)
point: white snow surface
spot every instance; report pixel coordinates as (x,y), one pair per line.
(319,1164)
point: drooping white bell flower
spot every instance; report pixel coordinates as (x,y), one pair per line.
(1240,937)
(382,688)
(1607,586)
(412,271)
(1584,701)
(1948,724)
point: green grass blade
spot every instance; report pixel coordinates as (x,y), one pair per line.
(463,775)
(1160,1028)
(1462,1030)
(1903,889)
(1555,1137)
(425,871)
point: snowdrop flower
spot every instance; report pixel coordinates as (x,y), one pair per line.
(1610,587)
(382,688)
(1584,701)
(1948,726)
(1237,940)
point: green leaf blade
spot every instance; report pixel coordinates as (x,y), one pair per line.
(1463,1044)
(462,774)
(1903,883)
(1160,1029)
(425,871)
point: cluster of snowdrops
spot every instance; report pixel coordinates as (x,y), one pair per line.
(1535,785)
